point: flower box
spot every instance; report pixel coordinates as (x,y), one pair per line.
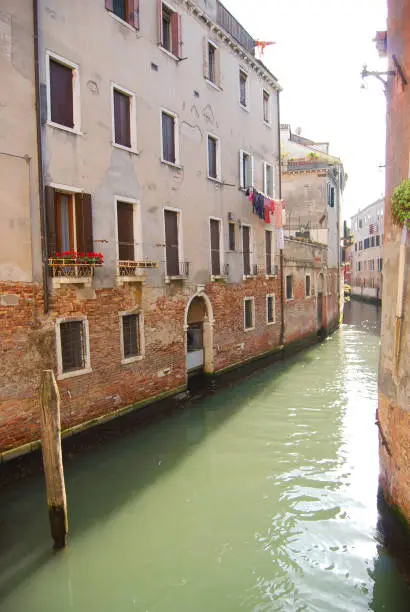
(72,267)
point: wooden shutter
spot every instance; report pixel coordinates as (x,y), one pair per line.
(159,21)
(246,250)
(133,10)
(84,223)
(171,242)
(176,34)
(205,56)
(215,247)
(125,223)
(109,5)
(122,122)
(51,221)
(268,240)
(61,94)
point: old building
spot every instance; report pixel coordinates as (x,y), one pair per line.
(312,186)
(134,136)
(366,253)
(394,381)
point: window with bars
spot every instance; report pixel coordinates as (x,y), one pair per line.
(73,348)
(131,329)
(270,309)
(249,314)
(168,137)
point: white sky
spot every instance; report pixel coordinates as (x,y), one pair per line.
(321,46)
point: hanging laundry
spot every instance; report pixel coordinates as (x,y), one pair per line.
(259,205)
(267,210)
(250,194)
(278,214)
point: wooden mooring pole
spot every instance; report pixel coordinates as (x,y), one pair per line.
(52,458)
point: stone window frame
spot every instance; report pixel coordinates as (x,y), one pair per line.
(267,165)
(252,300)
(273,296)
(218,153)
(133,118)
(87,369)
(139,312)
(310,286)
(177,151)
(286,296)
(50,55)
(242,179)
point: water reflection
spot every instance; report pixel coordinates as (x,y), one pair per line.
(259,497)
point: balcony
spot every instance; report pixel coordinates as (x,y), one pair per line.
(74,270)
(177,274)
(234,28)
(273,271)
(251,271)
(222,275)
(130,271)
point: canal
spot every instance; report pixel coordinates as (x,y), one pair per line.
(259,497)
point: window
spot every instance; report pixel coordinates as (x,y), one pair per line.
(270,309)
(211,59)
(63,93)
(171,219)
(73,352)
(266,107)
(355,246)
(372,241)
(69,222)
(214,162)
(360,223)
(131,336)
(371,265)
(125,231)
(307,285)
(127,10)
(359,266)
(169,137)
(289,294)
(243,86)
(216,234)
(268,179)
(249,313)
(211,62)
(124,118)
(360,245)
(268,252)
(246,250)
(366,243)
(331,196)
(169,29)
(245,170)
(378,240)
(231,236)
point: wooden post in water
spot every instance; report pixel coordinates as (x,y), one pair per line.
(52,458)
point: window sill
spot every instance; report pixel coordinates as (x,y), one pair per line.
(249,276)
(122,22)
(213,85)
(218,277)
(169,53)
(267,276)
(245,108)
(171,164)
(128,360)
(126,280)
(169,279)
(248,329)
(64,128)
(218,181)
(64,375)
(123,148)
(56,282)
(270,322)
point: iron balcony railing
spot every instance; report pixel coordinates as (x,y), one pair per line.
(234,28)
(223,272)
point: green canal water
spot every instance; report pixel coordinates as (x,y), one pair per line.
(259,497)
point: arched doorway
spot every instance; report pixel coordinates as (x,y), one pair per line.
(199,334)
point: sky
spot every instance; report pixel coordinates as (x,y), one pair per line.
(321,46)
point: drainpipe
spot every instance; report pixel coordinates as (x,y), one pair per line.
(43,214)
(399,304)
(282,303)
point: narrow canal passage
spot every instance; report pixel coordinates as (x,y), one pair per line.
(259,497)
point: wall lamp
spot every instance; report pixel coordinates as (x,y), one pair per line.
(398,71)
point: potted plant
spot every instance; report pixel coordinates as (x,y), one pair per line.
(400,204)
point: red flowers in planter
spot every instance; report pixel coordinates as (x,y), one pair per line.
(72,257)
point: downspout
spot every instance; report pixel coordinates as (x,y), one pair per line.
(43,214)
(282,303)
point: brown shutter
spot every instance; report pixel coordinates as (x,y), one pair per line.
(215,247)
(205,56)
(61,94)
(109,5)
(133,16)
(125,222)
(268,239)
(84,223)
(51,221)
(246,252)
(176,34)
(159,21)
(171,242)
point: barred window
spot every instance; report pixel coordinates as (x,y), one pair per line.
(73,350)
(131,335)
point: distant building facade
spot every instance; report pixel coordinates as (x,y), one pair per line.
(366,253)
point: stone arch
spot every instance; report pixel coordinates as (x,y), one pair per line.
(198,326)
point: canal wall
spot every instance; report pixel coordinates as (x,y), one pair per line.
(394,378)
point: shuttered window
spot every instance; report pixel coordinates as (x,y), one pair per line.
(127,10)
(171,242)
(289,287)
(72,345)
(231,230)
(168,138)
(215,229)
(248,313)
(61,94)
(125,227)
(131,335)
(169,29)
(268,250)
(212,157)
(246,250)
(69,222)
(122,118)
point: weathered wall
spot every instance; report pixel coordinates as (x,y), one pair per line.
(394,387)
